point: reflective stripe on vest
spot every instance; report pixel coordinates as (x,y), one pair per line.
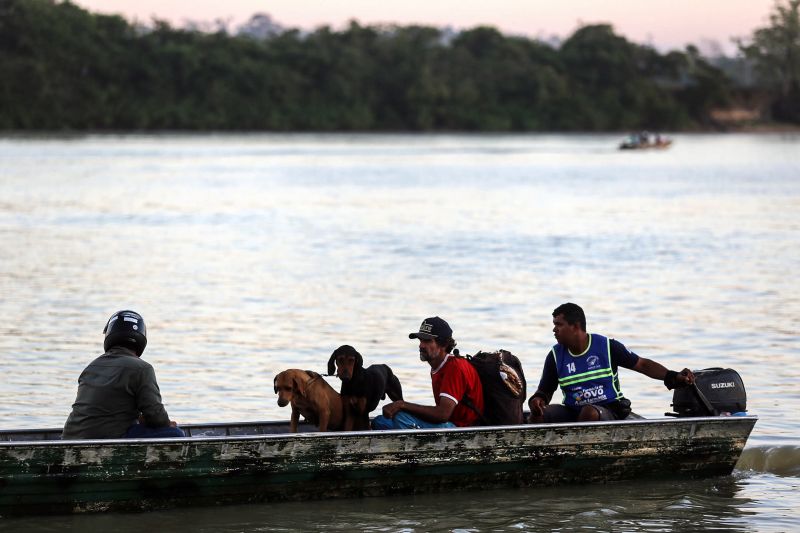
(588,378)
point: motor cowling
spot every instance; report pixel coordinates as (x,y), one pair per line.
(722,387)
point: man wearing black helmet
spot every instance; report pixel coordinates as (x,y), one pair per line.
(118,396)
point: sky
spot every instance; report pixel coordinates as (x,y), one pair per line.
(665,24)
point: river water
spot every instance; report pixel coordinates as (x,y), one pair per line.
(250,254)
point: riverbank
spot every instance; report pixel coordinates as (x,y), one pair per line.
(67,133)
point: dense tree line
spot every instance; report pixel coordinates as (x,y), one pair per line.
(62,67)
(775,50)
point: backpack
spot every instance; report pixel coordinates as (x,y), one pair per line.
(504,387)
(717,390)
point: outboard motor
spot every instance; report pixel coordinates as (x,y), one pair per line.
(717,391)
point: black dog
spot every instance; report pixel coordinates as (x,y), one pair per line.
(362,388)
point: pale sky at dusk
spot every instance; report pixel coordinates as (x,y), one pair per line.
(664,24)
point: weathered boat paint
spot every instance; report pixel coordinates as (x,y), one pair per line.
(252,462)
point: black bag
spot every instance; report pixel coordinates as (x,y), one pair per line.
(718,390)
(504,387)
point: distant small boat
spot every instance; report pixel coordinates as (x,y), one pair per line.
(262,461)
(643,140)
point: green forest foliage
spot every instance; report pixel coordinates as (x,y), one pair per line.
(64,68)
(775,51)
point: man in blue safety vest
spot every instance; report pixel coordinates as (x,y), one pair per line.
(585,366)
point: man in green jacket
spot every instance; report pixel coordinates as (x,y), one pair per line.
(118,396)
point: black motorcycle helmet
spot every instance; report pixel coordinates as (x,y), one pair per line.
(127,329)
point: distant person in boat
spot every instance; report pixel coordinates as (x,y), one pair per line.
(585,366)
(118,396)
(455,385)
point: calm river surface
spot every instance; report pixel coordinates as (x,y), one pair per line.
(250,254)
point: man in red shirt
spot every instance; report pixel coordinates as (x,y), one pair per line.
(457,388)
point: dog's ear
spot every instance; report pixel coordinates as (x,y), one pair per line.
(299,385)
(275,384)
(359,360)
(332,364)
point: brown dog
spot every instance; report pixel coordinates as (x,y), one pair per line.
(310,396)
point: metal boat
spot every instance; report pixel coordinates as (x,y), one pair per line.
(261,461)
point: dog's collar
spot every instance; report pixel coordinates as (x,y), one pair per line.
(314,377)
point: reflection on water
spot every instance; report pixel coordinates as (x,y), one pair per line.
(721,504)
(249,254)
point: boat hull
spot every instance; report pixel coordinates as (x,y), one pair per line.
(645,146)
(222,464)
